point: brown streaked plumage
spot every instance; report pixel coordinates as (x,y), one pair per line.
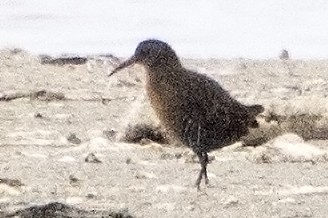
(194,108)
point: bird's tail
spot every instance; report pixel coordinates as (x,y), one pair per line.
(254,110)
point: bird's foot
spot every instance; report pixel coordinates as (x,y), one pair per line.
(207,183)
(201,192)
(197,185)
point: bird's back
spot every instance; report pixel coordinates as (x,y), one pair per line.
(197,110)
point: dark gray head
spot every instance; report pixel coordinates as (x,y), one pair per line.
(152,53)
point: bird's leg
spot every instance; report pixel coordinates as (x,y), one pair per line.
(205,168)
(203,159)
(200,176)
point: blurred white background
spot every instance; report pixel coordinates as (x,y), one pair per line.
(201,29)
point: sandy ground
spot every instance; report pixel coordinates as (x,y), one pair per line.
(65,113)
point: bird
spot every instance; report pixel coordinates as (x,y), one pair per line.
(193,108)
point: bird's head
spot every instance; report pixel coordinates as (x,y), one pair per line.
(152,53)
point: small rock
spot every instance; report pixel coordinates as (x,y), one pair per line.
(73,180)
(91,158)
(128,161)
(72,138)
(91,196)
(144,134)
(140,176)
(105,101)
(38,115)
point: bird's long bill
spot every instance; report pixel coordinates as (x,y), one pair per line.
(125,64)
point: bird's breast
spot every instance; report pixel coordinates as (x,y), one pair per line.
(165,102)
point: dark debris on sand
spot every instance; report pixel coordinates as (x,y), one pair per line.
(11,182)
(91,158)
(44,95)
(45,59)
(305,125)
(60,210)
(41,95)
(142,132)
(75,59)
(72,138)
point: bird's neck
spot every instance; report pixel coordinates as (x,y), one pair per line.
(163,73)
(164,67)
